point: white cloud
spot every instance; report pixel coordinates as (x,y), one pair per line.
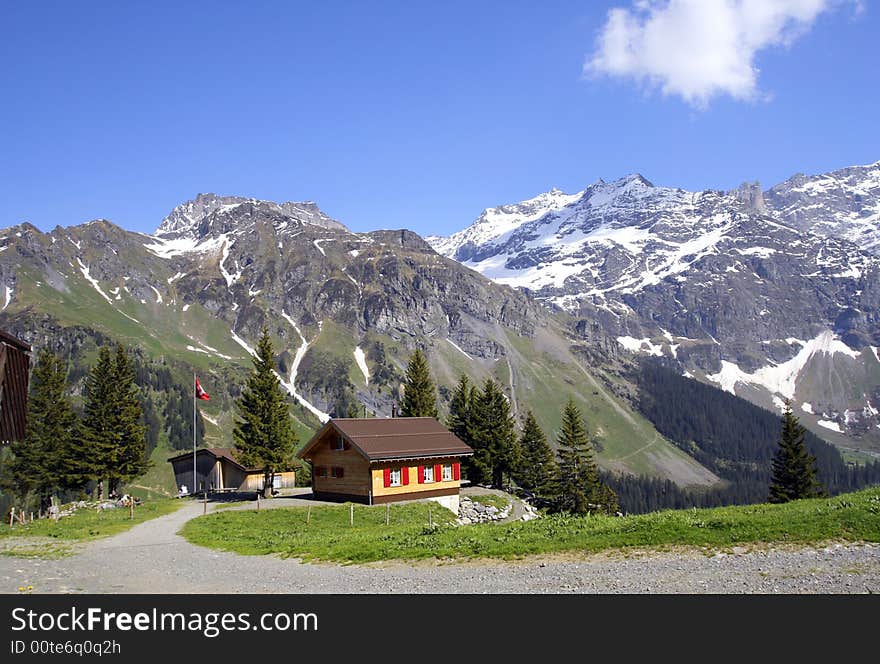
(698,49)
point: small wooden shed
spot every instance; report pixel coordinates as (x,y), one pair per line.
(14,372)
(219,470)
(379,460)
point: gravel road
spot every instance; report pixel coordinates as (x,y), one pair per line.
(152,558)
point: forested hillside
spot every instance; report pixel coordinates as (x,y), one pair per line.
(730,436)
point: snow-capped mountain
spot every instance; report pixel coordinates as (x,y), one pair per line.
(844,203)
(188,219)
(731,285)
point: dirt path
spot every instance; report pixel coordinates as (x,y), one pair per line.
(152,558)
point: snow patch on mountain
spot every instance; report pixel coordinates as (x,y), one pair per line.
(8,299)
(169,248)
(361,361)
(229,277)
(828,424)
(781,379)
(94,282)
(458,348)
(634,345)
(290,385)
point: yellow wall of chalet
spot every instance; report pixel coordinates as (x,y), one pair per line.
(378,479)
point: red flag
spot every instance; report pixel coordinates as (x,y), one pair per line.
(200,393)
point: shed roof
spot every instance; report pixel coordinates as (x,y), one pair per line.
(223,453)
(216,452)
(395,438)
(15,342)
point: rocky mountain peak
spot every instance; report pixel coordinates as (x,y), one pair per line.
(750,194)
(195,218)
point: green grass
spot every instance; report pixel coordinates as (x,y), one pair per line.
(88,524)
(329,537)
(490,499)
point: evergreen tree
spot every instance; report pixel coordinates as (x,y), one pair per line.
(794,468)
(537,471)
(420,395)
(128,426)
(580,489)
(264,435)
(459,417)
(38,464)
(97,452)
(493,436)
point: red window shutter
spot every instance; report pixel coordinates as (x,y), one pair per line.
(387,476)
(438,473)
(421,474)
(404,475)
(456,471)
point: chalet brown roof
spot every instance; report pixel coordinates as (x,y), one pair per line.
(395,438)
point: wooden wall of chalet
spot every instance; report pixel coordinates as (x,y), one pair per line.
(355,480)
(14,370)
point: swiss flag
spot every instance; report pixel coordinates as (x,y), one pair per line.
(200,393)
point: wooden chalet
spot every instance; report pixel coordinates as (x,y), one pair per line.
(378,460)
(218,470)
(14,371)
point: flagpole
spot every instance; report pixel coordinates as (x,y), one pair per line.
(194,432)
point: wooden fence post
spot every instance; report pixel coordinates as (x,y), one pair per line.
(351,515)
(430,517)
(309,515)
(387,513)
(11,516)
(131,508)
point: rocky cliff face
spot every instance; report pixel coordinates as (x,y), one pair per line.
(731,286)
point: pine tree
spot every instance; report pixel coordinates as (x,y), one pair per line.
(420,394)
(537,471)
(38,464)
(128,427)
(97,453)
(580,489)
(460,409)
(493,436)
(794,468)
(264,435)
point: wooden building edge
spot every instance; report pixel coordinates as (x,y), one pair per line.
(217,470)
(15,357)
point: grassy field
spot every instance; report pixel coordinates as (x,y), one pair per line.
(89,524)
(329,537)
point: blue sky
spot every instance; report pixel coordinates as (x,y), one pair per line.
(417,115)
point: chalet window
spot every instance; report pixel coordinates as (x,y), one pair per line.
(338,444)
(447,472)
(429,474)
(337,472)
(394,478)
(320,471)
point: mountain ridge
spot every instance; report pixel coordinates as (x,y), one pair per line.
(711,277)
